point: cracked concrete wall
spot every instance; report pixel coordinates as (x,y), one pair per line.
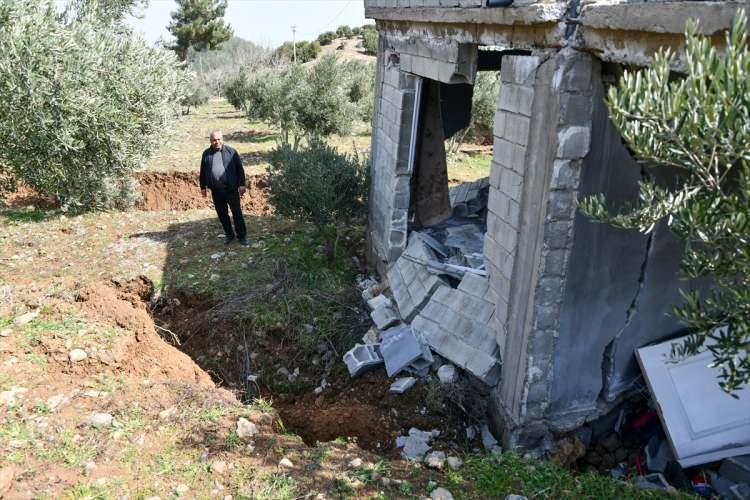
(620,287)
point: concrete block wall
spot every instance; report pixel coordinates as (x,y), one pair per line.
(512,121)
(389,194)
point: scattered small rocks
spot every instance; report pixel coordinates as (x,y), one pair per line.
(5,332)
(417,443)
(25,318)
(441,494)
(489,441)
(435,460)
(286,464)
(168,413)
(246,429)
(355,463)
(181,489)
(447,374)
(455,463)
(89,468)
(77,355)
(56,402)
(219,467)
(11,396)
(100,420)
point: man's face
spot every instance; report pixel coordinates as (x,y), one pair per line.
(217,141)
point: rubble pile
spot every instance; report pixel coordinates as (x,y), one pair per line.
(436,299)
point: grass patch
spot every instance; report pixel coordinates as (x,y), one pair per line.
(71,450)
(27,215)
(496,477)
(277,487)
(466,167)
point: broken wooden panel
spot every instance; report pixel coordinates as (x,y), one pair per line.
(702,422)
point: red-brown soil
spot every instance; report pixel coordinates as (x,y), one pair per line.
(145,353)
(161,191)
(181,191)
(361,409)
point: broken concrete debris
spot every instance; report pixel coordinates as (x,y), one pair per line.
(470,198)
(360,358)
(399,348)
(384,317)
(447,374)
(416,444)
(378,302)
(403,384)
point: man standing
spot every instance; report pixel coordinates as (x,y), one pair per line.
(222,173)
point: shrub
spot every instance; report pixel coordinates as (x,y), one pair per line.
(319,185)
(197,97)
(344,32)
(360,82)
(236,90)
(326,38)
(84,104)
(306,51)
(370,42)
(700,125)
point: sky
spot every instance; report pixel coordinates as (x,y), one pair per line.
(265,22)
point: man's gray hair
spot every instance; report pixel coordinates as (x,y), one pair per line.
(215,132)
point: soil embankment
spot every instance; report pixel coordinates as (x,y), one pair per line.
(181,191)
(161,191)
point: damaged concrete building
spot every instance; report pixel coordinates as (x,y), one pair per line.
(550,307)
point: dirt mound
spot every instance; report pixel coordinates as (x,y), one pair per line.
(144,353)
(181,191)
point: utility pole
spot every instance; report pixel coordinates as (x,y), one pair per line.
(294,43)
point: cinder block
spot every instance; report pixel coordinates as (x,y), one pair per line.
(384,317)
(401,385)
(399,348)
(361,358)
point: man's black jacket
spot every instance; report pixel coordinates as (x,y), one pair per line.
(235,174)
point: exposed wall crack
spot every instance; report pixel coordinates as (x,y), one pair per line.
(610,351)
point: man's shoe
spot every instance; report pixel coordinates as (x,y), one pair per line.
(244,242)
(228,239)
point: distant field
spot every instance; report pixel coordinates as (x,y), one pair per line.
(182,148)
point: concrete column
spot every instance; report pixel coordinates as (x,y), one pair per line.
(543,122)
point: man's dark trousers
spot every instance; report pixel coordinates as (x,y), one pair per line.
(222,199)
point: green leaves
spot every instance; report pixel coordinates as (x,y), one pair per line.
(698,122)
(198,24)
(312,102)
(319,185)
(83,104)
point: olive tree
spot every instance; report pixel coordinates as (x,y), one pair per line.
(698,124)
(310,102)
(83,104)
(320,185)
